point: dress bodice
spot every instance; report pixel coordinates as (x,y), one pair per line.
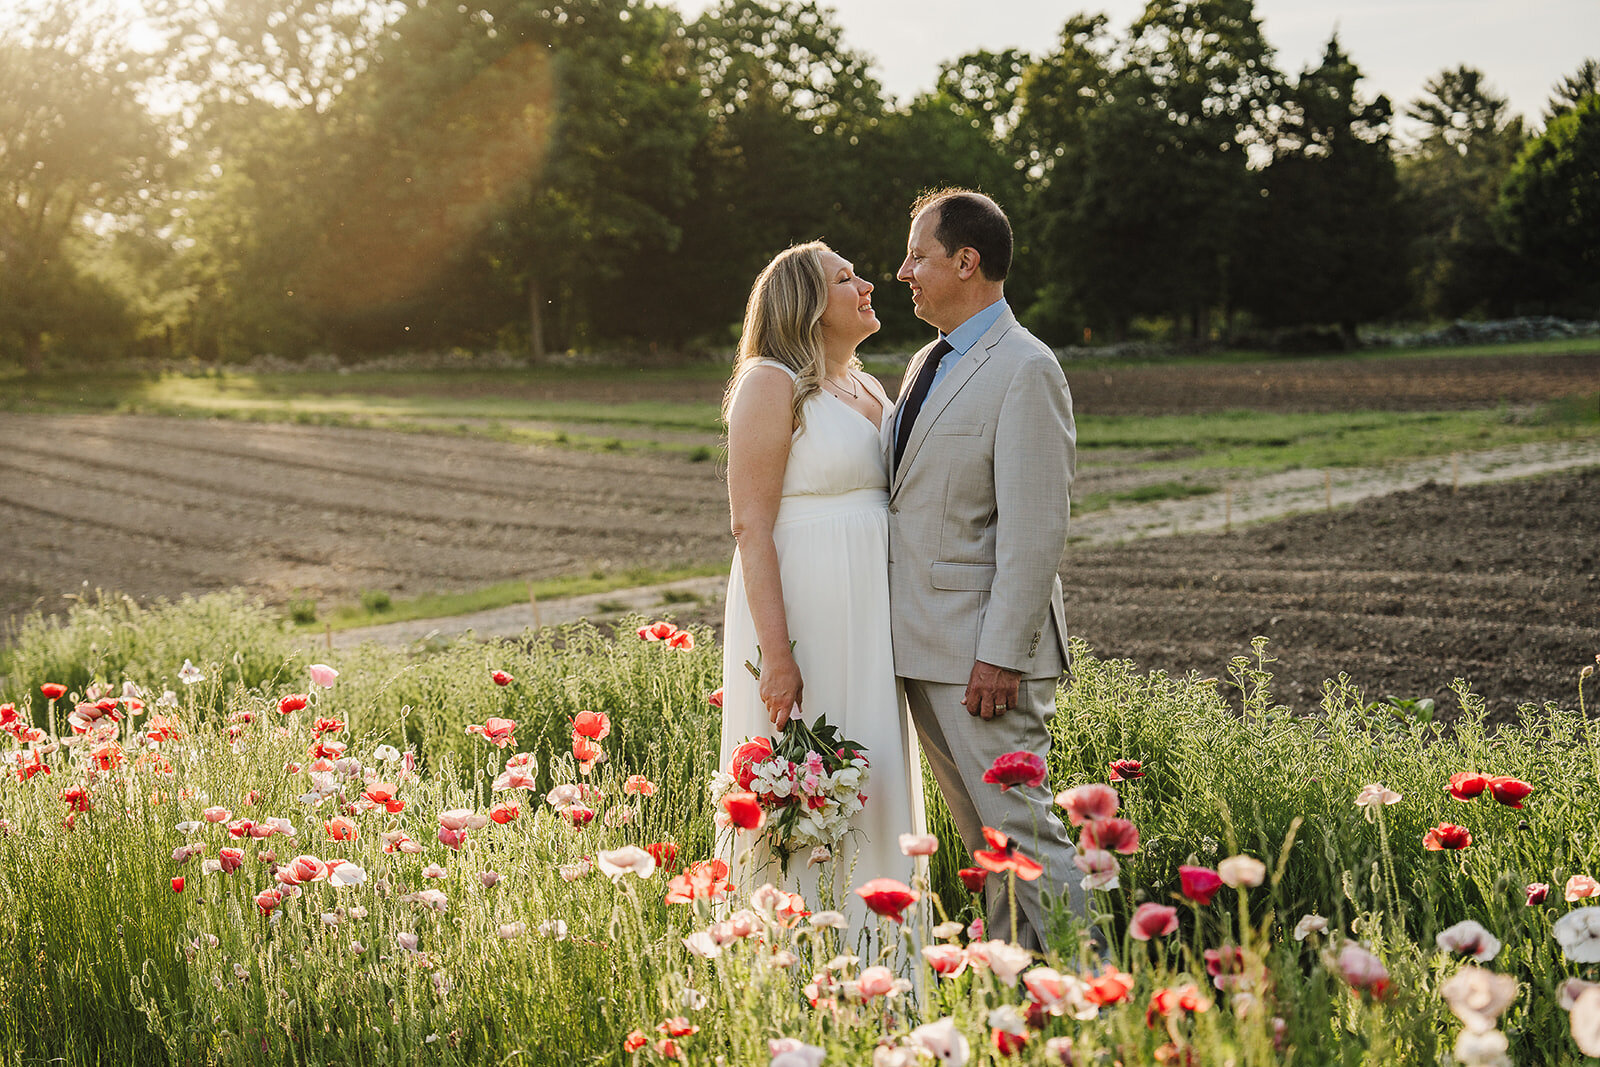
(836,450)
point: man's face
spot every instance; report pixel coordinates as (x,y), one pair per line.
(933,275)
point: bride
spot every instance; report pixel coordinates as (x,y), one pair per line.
(808,490)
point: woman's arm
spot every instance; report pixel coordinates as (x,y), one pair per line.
(760,425)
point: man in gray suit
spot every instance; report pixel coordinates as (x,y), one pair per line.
(981,454)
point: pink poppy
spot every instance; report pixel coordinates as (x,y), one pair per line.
(657,631)
(1152,920)
(1111,835)
(323,675)
(1509,791)
(1085,802)
(268,899)
(381,794)
(307,869)
(515,778)
(1003,856)
(230,859)
(714,698)
(1537,892)
(947,960)
(1446,836)
(888,898)
(1467,785)
(216,815)
(918,844)
(1126,770)
(1580,886)
(1016,768)
(1200,884)
(495,731)
(875,982)
(452,839)
(1363,970)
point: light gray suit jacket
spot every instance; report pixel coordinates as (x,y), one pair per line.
(978,514)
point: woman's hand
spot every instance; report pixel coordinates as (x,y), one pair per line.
(780,689)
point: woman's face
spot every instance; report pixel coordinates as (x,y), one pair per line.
(848,317)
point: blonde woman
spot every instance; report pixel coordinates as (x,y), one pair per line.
(808,491)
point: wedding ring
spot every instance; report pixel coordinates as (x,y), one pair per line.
(1002,707)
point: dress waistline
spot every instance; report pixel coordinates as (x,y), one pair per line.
(805,506)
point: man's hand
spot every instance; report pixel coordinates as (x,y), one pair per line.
(991,691)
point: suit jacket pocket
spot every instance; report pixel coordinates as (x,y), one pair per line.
(963,577)
(945,428)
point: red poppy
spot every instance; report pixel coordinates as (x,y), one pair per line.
(1200,884)
(291,703)
(635,1041)
(639,785)
(494,730)
(382,793)
(1111,986)
(714,698)
(77,798)
(505,811)
(327,726)
(704,880)
(744,810)
(501,678)
(32,766)
(1002,855)
(973,878)
(177,884)
(743,762)
(268,899)
(888,898)
(1006,1043)
(53,690)
(1509,791)
(594,725)
(657,631)
(665,853)
(230,859)
(1467,785)
(1126,770)
(1447,835)
(1016,768)
(682,639)
(586,752)
(1164,1002)
(1111,835)
(578,816)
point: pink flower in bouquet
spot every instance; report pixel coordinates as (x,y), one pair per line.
(1200,884)
(1152,920)
(1016,768)
(888,898)
(1086,802)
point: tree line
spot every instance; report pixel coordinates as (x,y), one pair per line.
(360,176)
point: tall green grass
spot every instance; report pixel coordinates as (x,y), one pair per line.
(109,965)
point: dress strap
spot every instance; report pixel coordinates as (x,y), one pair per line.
(781,366)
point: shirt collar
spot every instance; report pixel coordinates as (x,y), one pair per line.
(963,337)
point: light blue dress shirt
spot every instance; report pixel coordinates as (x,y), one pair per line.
(961,339)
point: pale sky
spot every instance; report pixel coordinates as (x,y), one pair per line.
(1523,47)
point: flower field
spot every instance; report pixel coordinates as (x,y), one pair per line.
(214,850)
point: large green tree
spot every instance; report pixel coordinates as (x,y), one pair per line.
(1550,210)
(76,151)
(1326,242)
(1451,176)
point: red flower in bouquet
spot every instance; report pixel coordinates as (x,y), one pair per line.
(1446,836)
(888,898)
(1016,768)
(744,759)
(1002,855)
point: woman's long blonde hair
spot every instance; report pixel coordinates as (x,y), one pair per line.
(783,323)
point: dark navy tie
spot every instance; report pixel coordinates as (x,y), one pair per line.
(919,393)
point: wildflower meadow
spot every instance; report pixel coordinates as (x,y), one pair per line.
(218,846)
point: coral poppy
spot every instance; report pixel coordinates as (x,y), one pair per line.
(657,631)
(505,812)
(1111,835)
(888,898)
(1200,884)
(594,725)
(1085,802)
(494,730)
(1110,986)
(341,828)
(703,880)
(1002,855)
(1446,836)
(639,785)
(382,794)
(682,639)
(586,752)
(1016,768)
(714,698)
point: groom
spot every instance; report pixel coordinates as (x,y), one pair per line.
(981,455)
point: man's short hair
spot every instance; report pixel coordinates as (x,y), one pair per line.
(968,219)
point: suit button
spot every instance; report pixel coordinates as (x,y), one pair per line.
(894,509)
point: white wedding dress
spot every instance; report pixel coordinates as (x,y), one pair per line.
(832,535)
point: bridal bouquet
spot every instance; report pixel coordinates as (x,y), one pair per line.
(800,793)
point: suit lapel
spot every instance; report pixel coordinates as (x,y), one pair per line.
(946,391)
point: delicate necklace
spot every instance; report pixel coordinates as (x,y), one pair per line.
(854,394)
